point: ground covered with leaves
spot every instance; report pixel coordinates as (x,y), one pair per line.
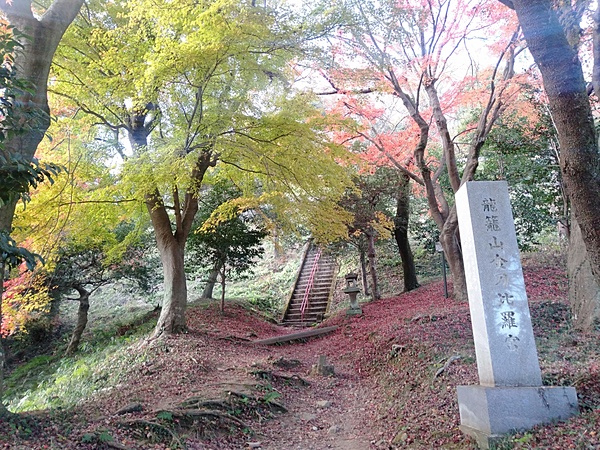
(396,369)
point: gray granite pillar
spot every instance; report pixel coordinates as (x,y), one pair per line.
(510,395)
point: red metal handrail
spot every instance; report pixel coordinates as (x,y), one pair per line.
(309,286)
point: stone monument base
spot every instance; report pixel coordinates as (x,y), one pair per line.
(354,311)
(487,413)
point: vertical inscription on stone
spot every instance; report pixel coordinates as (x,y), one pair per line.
(504,343)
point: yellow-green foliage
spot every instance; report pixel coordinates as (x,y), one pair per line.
(219,73)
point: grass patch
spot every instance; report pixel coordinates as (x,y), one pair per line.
(52,381)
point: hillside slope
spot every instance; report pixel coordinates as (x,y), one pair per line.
(396,369)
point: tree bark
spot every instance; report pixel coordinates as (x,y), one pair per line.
(570,107)
(172,315)
(210,283)
(222,288)
(363,270)
(401,235)
(82,320)
(375,294)
(449,238)
(171,250)
(3,410)
(584,292)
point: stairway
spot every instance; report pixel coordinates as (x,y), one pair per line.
(309,302)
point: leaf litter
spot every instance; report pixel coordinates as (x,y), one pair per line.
(396,371)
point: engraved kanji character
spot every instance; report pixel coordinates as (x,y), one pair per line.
(508,319)
(506,298)
(499,261)
(496,243)
(489,204)
(502,280)
(491,223)
(512,342)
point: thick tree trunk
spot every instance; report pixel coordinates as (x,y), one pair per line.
(363,271)
(172,315)
(171,243)
(210,283)
(584,292)
(375,294)
(401,235)
(82,320)
(569,103)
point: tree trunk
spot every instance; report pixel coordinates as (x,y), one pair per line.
(375,294)
(3,410)
(210,283)
(172,315)
(570,107)
(171,242)
(222,288)
(363,270)
(584,292)
(401,235)
(82,320)
(449,238)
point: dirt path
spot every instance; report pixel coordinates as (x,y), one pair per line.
(334,412)
(331,413)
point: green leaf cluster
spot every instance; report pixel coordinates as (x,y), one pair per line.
(231,242)
(18,175)
(12,255)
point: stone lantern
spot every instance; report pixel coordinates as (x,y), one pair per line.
(352,290)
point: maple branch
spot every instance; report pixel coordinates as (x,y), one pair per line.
(337,90)
(391,158)
(492,110)
(206,159)
(419,152)
(243,169)
(447,144)
(177,207)
(81,202)
(103,120)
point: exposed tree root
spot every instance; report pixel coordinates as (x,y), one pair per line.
(446,365)
(270,404)
(202,415)
(193,414)
(153,431)
(276,377)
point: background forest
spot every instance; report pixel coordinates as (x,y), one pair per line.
(156,155)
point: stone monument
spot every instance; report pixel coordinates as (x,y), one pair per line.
(510,396)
